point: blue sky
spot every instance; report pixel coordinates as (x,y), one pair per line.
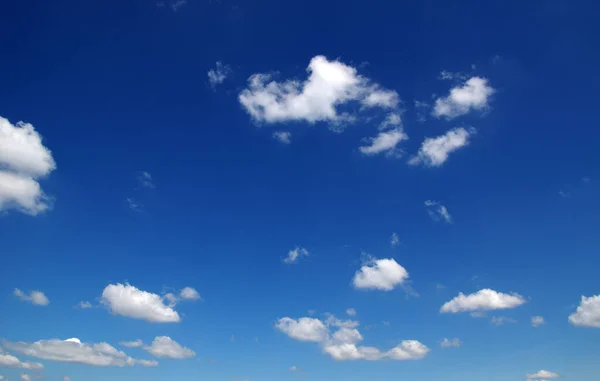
(299,190)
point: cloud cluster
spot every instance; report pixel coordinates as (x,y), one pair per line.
(37,298)
(380,274)
(482,300)
(343,343)
(23,161)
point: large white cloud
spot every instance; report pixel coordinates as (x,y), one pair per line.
(23,160)
(435,151)
(471,95)
(165,347)
(329,85)
(587,313)
(74,351)
(380,274)
(542,375)
(303,329)
(10,361)
(37,298)
(342,344)
(385,141)
(129,301)
(482,300)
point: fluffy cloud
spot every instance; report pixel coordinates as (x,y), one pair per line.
(329,84)
(542,375)
(483,300)
(23,160)
(284,137)
(295,254)
(74,351)
(165,347)
(132,344)
(9,361)
(536,321)
(218,75)
(450,343)
(437,211)
(189,293)
(303,329)
(342,344)
(434,151)
(380,274)
(129,301)
(471,95)
(587,313)
(37,298)
(385,141)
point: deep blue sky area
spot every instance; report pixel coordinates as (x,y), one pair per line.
(320,190)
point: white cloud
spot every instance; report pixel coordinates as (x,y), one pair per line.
(542,374)
(501,320)
(472,95)
(437,211)
(84,305)
(132,344)
(24,377)
(434,151)
(295,254)
(284,137)
(219,74)
(393,119)
(408,350)
(450,343)
(587,313)
(23,160)
(448,75)
(329,84)
(380,274)
(483,300)
(164,346)
(303,329)
(189,293)
(129,301)
(394,240)
(9,361)
(536,321)
(351,312)
(37,298)
(385,141)
(145,180)
(73,351)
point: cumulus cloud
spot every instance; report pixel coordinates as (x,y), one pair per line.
(129,301)
(37,298)
(218,75)
(283,137)
(295,254)
(303,329)
(482,300)
(385,141)
(330,84)
(9,361)
(450,343)
(471,95)
(437,211)
(587,313)
(435,151)
(189,293)
(342,344)
(542,375)
(23,160)
(165,347)
(537,321)
(74,351)
(380,274)
(132,344)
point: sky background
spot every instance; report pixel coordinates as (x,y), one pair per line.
(118,89)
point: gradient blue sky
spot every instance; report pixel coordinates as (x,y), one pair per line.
(121,88)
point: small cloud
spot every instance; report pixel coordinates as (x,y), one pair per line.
(134,205)
(178,4)
(394,240)
(385,141)
(501,320)
(189,293)
(132,344)
(380,274)
(448,75)
(450,343)
(84,305)
(165,347)
(537,321)
(440,286)
(435,151)
(564,194)
(144,180)
(478,314)
(284,137)
(586,180)
(36,298)
(293,368)
(218,75)
(295,254)
(437,211)
(482,300)
(587,313)
(542,375)
(232,338)
(351,312)
(473,94)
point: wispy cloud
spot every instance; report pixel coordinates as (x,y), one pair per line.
(295,254)
(284,137)
(218,75)
(437,211)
